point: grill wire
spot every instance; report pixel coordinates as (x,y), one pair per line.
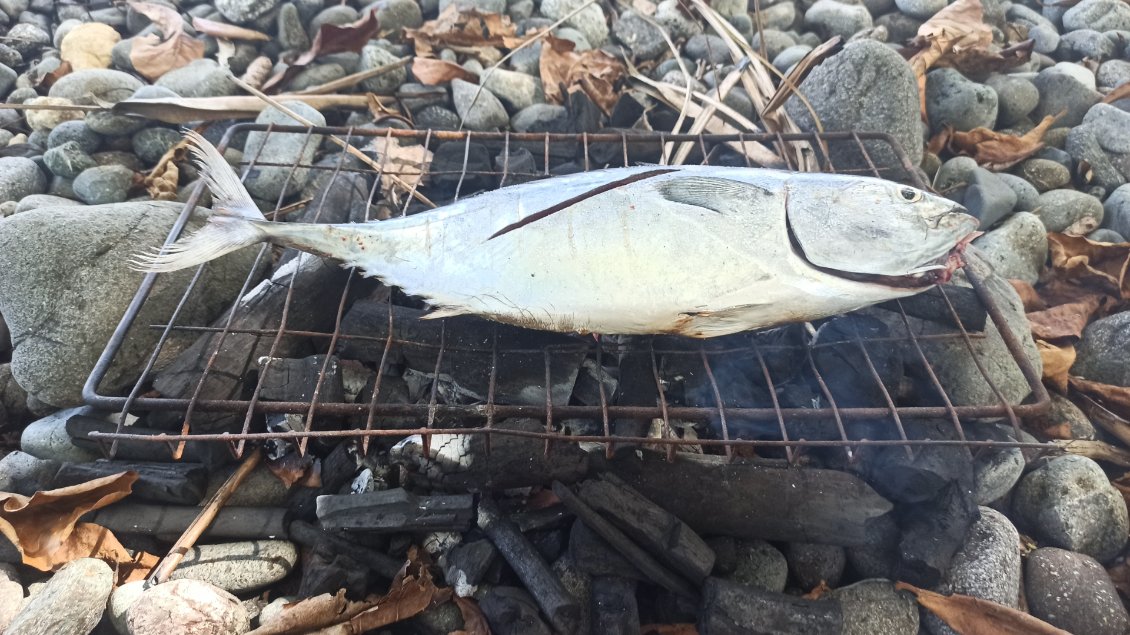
(725,417)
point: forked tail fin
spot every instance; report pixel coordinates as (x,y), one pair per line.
(235,222)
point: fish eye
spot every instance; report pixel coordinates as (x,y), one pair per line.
(910,196)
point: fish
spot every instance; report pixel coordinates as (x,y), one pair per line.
(698,251)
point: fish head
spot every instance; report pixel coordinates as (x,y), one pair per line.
(877,231)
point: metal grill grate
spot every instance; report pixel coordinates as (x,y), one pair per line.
(727,422)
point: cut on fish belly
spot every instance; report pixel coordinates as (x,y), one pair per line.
(690,250)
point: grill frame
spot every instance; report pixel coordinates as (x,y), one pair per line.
(490,412)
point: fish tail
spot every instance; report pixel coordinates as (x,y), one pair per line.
(236,221)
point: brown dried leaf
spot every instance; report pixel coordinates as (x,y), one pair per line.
(402,167)
(463,28)
(1083,266)
(593,71)
(817,591)
(88,45)
(957,27)
(310,614)
(1028,296)
(979,63)
(224,31)
(53,76)
(1096,451)
(258,71)
(1120,92)
(432,72)
(1113,398)
(668,629)
(1065,320)
(1057,362)
(153,57)
(474,622)
(331,38)
(162,186)
(974,616)
(411,592)
(295,469)
(1120,572)
(46,530)
(996,150)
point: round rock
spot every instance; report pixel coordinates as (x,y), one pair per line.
(921,9)
(1017,249)
(76,131)
(67,160)
(589,20)
(1073,592)
(988,198)
(812,564)
(1099,15)
(1075,46)
(830,18)
(1016,98)
(1061,91)
(150,144)
(1111,126)
(199,78)
(953,100)
(47,438)
(192,605)
(710,49)
(1068,502)
(1027,196)
(103,184)
(47,120)
(1116,211)
(70,603)
(995,473)
(1070,212)
(514,89)
(641,36)
(239,567)
(20,177)
(761,566)
(1045,174)
(1104,349)
(478,108)
(268,182)
(244,11)
(875,607)
(373,56)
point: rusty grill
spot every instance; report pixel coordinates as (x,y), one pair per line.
(721,417)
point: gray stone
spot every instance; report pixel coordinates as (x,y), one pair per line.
(64,279)
(11,594)
(953,100)
(1100,15)
(373,56)
(260,489)
(47,438)
(7,79)
(867,86)
(1113,73)
(478,108)
(150,144)
(541,118)
(67,160)
(921,9)
(103,85)
(670,16)
(121,599)
(70,603)
(761,566)
(781,16)
(76,131)
(291,32)
(103,184)
(1116,211)
(875,607)
(995,473)
(581,43)
(988,197)
(1104,235)
(1111,126)
(339,14)
(1044,174)
(641,36)
(1060,91)
(708,48)
(1083,144)
(789,56)
(1069,502)
(20,177)
(199,78)
(812,564)
(775,42)
(437,118)
(589,21)
(187,602)
(486,6)
(239,567)
(1045,39)
(1070,212)
(395,15)
(244,11)
(514,89)
(986,566)
(1104,349)
(830,18)
(35,201)
(1017,249)
(1063,411)
(1073,592)
(1016,97)
(269,182)
(1027,196)
(1084,43)
(954,176)
(22,473)
(28,39)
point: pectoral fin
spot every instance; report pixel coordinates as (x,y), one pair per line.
(713,193)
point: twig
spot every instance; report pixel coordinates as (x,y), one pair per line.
(192,533)
(77,107)
(355,78)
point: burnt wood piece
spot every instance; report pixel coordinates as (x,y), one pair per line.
(174,483)
(79,428)
(520,376)
(614,607)
(326,572)
(338,468)
(636,388)
(772,503)
(511,611)
(931,305)
(468,563)
(396,510)
(594,556)
(556,602)
(932,533)
(729,608)
(654,571)
(289,379)
(669,539)
(314,537)
(232,523)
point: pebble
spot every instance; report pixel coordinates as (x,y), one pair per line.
(239,567)
(11,594)
(187,603)
(1111,126)
(35,201)
(1103,352)
(121,599)
(789,56)
(20,177)
(1045,174)
(641,36)
(995,473)
(780,16)
(1018,248)
(988,198)
(709,49)
(514,89)
(1104,235)
(921,9)
(1075,46)
(291,33)
(67,160)
(47,119)
(28,39)
(478,109)
(373,56)
(436,118)
(811,564)
(1069,211)
(150,144)
(760,565)
(199,78)
(830,18)
(954,100)
(541,118)
(1016,98)
(1116,211)
(1113,73)
(1063,411)
(25,474)
(775,42)
(395,15)
(244,11)
(268,182)
(103,184)
(875,607)
(1073,592)
(589,21)
(1027,196)
(76,131)
(986,566)
(1068,502)
(1099,15)
(70,603)
(1061,91)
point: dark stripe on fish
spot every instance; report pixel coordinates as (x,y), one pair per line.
(578,198)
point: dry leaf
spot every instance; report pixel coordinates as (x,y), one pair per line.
(1028,296)
(1113,398)
(151,56)
(46,530)
(1065,320)
(88,46)
(179,110)
(1122,91)
(1120,572)
(161,182)
(955,28)
(1083,267)
(997,150)
(297,469)
(974,616)
(402,167)
(817,591)
(474,622)
(979,63)
(224,31)
(331,38)
(1057,361)
(310,614)
(49,78)
(644,7)
(455,28)
(433,72)
(1096,451)
(593,71)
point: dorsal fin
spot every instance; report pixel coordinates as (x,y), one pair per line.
(711,192)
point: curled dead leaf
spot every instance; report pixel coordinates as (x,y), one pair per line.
(995,150)
(258,71)
(331,38)
(227,31)
(1065,321)
(474,622)
(151,56)
(974,616)
(1116,399)
(1057,362)
(432,72)
(564,70)
(1028,296)
(957,27)
(402,168)
(463,28)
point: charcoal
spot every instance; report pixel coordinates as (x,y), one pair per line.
(734,608)
(308,535)
(917,479)
(725,550)
(649,525)
(932,532)
(626,112)
(811,564)
(594,556)
(838,355)
(297,379)
(330,573)
(551,517)
(338,196)
(579,585)
(461,462)
(562,609)
(635,388)
(396,510)
(810,505)
(175,483)
(338,467)
(467,563)
(614,608)
(163,521)
(931,305)
(612,154)
(511,611)
(550,544)
(584,114)
(466,364)
(518,166)
(462,166)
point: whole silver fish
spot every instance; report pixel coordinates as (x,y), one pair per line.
(694,250)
